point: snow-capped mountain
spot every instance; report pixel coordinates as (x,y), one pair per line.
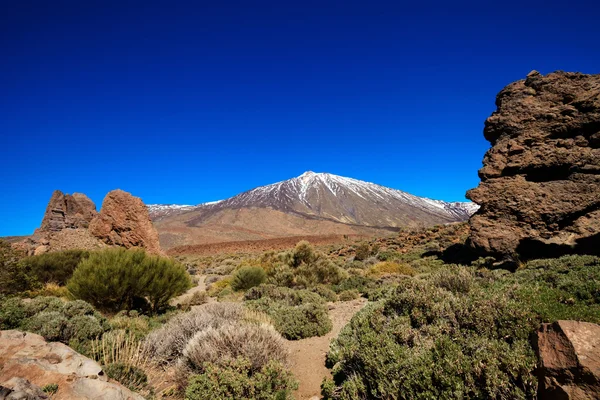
(349,201)
(159,211)
(312,203)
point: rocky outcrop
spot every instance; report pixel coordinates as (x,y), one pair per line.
(30,358)
(124,221)
(569,360)
(68,211)
(540,181)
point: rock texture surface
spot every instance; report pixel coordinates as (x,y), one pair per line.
(124,221)
(569,357)
(29,357)
(540,181)
(68,211)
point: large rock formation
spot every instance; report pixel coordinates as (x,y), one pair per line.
(569,360)
(540,181)
(38,363)
(124,221)
(68,211)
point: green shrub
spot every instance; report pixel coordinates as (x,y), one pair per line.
(83,327)
(325,292)
(43,303)
(55,267)
(50,388)
(128,375)
(321,271)
(357,282)
(390,267)
(12,313)
(117,279)
(362,252)
(348,295)
(237,380)
(49,324)
(14,277)
(303,254)
(427,342)
(296,314)
(248,277)
(457,280)
(281,275)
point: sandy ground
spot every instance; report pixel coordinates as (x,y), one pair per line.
(307,356)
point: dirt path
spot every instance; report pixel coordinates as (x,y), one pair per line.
(308,355)
(200,287)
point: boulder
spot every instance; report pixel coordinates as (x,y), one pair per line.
(28,357)
(67,211)
(569,360)
(540,182)
(124,221)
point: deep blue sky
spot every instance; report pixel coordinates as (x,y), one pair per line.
(193,101)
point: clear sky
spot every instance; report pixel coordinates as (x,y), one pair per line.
(193,101)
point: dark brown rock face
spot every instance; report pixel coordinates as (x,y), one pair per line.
(540,181)
(569,359)
(68,211)
(124,221)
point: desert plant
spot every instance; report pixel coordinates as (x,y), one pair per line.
(49,324)
(14,277)
(303,254)
(258,343)
(116,279)
(167,343)
(424,341)
(12,313)
(390,267)
(362,252)
(56,267)
(248,277)
(296,314)
(325,292)
(348,295)
(235,379)
(50,388)
(130,376)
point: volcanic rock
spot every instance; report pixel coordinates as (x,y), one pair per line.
(540,181)
(569,359)
(124,221)
(68,211)
(39,363)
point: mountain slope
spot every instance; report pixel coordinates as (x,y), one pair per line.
(313,203)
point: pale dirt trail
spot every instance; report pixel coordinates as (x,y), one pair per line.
(307,356)
(200,287)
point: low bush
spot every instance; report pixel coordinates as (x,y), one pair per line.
(53,318)
(348,295)
(358,282)
(362,252)
(303,254)
(325,292)
(427,342)
(167,343)
(117,279)
(248,277)
(389,267)
(258,343)
(129,376)
(296,314)
(236,379)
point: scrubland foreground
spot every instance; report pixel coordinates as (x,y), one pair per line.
(429,330)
